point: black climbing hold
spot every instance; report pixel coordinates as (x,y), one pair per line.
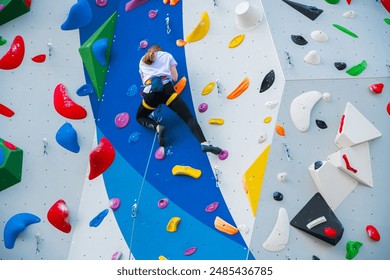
(315,208)
(268,81)
(317,164)
(321,124)
(314,257)
(340,65)
(278,196)
(299,40)
(310,11)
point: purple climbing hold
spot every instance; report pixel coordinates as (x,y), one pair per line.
(122,119)
(212,207)
(162,203)
(143,44)
(101,3)
(203,107)
(223,155)
(114,203)
(80,15)
(134,4)
(152,13)
(190,251)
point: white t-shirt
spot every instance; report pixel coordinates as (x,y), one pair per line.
(160,67)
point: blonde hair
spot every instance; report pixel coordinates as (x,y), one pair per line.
(150,56)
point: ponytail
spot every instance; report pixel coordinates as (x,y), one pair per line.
(150,56)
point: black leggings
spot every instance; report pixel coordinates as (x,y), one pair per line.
(154,99)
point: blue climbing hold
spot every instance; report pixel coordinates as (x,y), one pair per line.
(132,90)
(80,15)
(84,90)
(67,137)
(1,156)
(15,225)
(134,137)
(95,222)
(99,50)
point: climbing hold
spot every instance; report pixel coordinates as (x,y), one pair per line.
(152,13)
(208,88)
(387,20)
(173,2)
(143,44)
(15,225)
(314,257)
(312,57)
(100,158)
(101,3)
(2,41)
(267,119)
(316,222)
(271,104)
(173,224)
(180,43)
(248,17)
(224,226)
(11,166)
(200,30)
(345,30)
(117,255)
(84,90)
(332,1)
(278,238)
(80,15)
(326,96)
(223,155)
(349,14)
(12,9)
(65,106)
(39,58)
(66,137)
(132,90)
(236,41)
(278,196)
(15,54)
(280,130)
(216,121)
(268,81)
(282,177)
(5,111)
(319,36)
(330,232)
(190,251)
(96,221)
(203,107)
(299,40)
(309,11)
(122,119)
(352,249)
(114,203)
(321,124)
(349,2)
(186,170)
(99,50)
(388,108)
(301,107)
(180,85)
(386,5)
(134,137)
(317,164)
(239,89)
(58,216)
(212,207)
(160,153)
(262,137)
(340,65)
(132,4)
(162,258)
(373,233)
(376,88)
(162,203)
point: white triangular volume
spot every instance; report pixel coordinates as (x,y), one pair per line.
(332,183)
(278,238)
(300,109)
(354,128)
(355,161)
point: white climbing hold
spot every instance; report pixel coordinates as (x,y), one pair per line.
(282,177)
(271,104)
(312,57)
(319,36)
(262,137)
(300,109)
(349,14)
(326,96)
(278,238)
(243,229)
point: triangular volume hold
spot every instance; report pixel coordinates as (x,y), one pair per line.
(354,128)
(355,161)
(333,184)
(317,219)
(309,11)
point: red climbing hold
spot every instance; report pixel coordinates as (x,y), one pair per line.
(386,4)
(39,58)
(65,106)
(330,232)
(28,3)
(376,88)
(100,158)
(10,146)
(5,111)
(349,2)
(373,233)
(14,56)
(58,216)
(388,108)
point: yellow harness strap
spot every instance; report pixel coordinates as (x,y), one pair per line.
(147,106)
(170,99)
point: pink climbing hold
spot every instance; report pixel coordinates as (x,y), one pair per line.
(15,54)
(152,13)
(132,4)
(1,6)
(114,203)
(101,158)
(65,106)
(190,251)
(5,111)
(122,119)
(58,216)
(101,3)
(223,155)
(162,203)
(212,207)
(39,58)
(376,88)
(373,233)
(143,44)
(160,153)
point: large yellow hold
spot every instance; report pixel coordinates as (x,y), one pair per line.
(200,30)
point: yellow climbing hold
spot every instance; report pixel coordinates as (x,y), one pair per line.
(186,170)
(267,119)
(216,121)
(173,223)
(162,258)
(253,179)
(236,41)
(208,88)
(279,130)
(224,226)
(239,89)
(200,30)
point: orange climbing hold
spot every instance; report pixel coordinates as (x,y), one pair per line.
(239,89)
(101,158)
(280,130)
(15,54)
(224,226)
(65,106)
(180,85)
(181,42)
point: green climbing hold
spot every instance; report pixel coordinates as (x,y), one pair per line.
(352,249)
(387,20)
(13,9)
(11,159)
(332,1)
(2,41)
(357,69)
(345,30)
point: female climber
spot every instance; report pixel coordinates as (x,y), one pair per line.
(158,72)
